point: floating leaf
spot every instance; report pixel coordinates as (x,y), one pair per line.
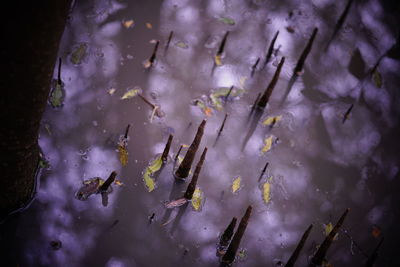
(206,110)
(377,77)
(182,44)
(328,229)
(131,93)
(176,203)
(57,95)
(149,26)
(266,192)
(221,93)
(78,54)
(236,184)
(218,60)
(123,155)
(118,182)
(197,199)
(154,166)
(111,91)
(147,64)
(128,23)
(227,20)
(271,120)
(267,144)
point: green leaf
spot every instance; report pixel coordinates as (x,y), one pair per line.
(377,77)
(153,167)
(217,96)
(227,20)
(182,45)
(57,95)
(148,181)
(236,184)
(79,53)
(131,93)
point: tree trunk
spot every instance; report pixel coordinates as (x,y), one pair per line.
(31,33)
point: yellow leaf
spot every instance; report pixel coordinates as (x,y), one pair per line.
(206,110)
(154,166)
(272,120)
(149,26)
(118,182)
(123,155)
(185,146)
(131,93)
(148,181)
(267,144)
(197,199)
(236,184)
(128,23)
(266,192)
(218,60)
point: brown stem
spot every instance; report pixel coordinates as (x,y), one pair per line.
(127,131)
(169,40)
(292,260)
(271,49)
(255,102)
(59,72)
(228,233)
(319,256)
(222,46)
(147,101)
(177,154)
(229,93)
(263,171)
(222,125)
(346,115)
(267,93)
(230,254)
(192,185)
(153,56)
(184,167)
(108,182)
(306,51)
(164,156)
(253,68)
(371,259)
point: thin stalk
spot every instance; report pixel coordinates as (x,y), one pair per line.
(222,45)
(177,154)
(59,81)
(164,156)
(153,56)
(347,114)
(253,68)
(147,101)
(229,93)
(184,168)
(108,182)
(230,254)
(371,259)
(222,125)
(340,22)
(300,63)
(192,185)
(263,171)
(270,49)
(267,93)
(127,131)
(292,260)
(169,40)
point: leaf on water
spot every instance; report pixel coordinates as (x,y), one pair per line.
(217,60)
(236,184)
(131,93)
(204,108)
(221,93)
(176,203)
(227,20)
(57,95)
(267,145)
(79,53)
(123,155)
(111,91)
(197,199)
(271,120)
(147,64)
(266,192)
(149,26)
(242,81)
(153,167)
(118,182)
(377,77)
(128,23)
(182,45)
(328,229)
(242,254)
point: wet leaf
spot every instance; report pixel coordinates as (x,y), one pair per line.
(147,64)
(197,199)
(181,44)
(148,181)
(149,26)
(272,120)
(236,184)
(221,93)
(57,95)
(111,91)
(204,108)
(118,182)
(131,93)
(217,60)
(266,192)
(328,229)
(78,54)
(128,23)
(123,155)
(176,203)
(267,145)
(153,167)
(377,78)
(227,20)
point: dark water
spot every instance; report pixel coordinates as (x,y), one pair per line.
(319,165)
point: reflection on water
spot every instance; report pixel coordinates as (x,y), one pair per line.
(319,166)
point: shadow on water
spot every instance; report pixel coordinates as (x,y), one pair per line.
(255,119)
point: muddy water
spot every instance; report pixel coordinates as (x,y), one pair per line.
(318,166)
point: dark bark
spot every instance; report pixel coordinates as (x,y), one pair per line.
(164,156)
(192,185)
(304,54)
(292,260)
(267,93)
(271,49)
(104,187)
(374,256)
(29,52)
(184,168)
(227,234)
